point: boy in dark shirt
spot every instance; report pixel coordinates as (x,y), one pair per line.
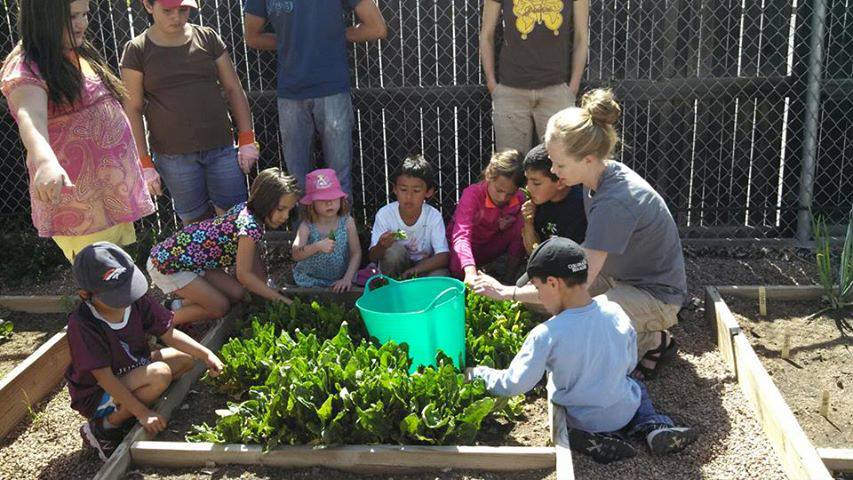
(114,375)
(552,208)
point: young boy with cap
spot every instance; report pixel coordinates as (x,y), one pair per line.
(114,375)
(589,347)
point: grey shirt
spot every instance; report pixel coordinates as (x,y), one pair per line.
(629,220)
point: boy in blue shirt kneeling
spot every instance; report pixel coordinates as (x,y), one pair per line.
(590,348)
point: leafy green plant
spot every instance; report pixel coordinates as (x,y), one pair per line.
(313,391)
(324,320)
(6,330)
(495,330)
(838,289)
(305,373)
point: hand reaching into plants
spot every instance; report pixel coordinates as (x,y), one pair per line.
(214,365)
(152,421)
(342,285)
(488,286)
(471,274)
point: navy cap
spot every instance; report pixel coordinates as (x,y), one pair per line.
(108,272)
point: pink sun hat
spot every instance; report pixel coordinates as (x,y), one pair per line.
(178,3)
(321,184)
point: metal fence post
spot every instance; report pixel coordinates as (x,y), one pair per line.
(812,123)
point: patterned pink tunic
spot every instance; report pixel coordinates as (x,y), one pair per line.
(93,142)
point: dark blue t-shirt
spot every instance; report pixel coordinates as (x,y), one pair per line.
(312,50)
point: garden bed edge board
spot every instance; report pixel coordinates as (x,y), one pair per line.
(799,458)
(354,458)
(559,433)
(38,303)
(837,459)
(118,463)
(32,379)
(773,292)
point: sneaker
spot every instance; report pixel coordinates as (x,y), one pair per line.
(602,447)
(665,439)
(96,436)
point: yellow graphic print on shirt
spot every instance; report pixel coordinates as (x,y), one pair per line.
(530,12)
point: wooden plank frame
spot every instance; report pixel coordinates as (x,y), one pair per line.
(352,458)
(39,373)
(799,458)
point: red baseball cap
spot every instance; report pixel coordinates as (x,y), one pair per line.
(178,3)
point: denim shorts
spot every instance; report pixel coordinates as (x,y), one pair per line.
(197,180)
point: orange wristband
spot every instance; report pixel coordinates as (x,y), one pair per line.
(245,138)
(146,162)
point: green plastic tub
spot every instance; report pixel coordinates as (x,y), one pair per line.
(426,313)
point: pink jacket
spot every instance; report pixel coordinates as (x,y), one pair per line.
(477,221)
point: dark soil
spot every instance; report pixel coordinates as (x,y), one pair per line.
(31,330)
(820,359)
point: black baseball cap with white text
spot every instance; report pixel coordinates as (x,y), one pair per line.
(555,257)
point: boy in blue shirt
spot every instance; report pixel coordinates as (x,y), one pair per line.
(590,348)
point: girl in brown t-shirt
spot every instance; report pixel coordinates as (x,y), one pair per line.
(180,77)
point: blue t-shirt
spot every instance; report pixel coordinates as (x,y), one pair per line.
(590,352)
(312,49)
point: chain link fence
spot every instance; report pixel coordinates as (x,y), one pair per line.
(737,111)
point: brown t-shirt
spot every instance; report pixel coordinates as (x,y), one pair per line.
(184,105)
(537,43)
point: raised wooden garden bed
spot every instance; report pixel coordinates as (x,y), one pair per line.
(798,455)
(140,449)
(41,371)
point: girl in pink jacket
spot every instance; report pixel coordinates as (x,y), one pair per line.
(487,221)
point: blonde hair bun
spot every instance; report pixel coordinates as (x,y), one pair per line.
(601,106)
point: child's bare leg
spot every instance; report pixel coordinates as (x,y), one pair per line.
(146,383)
(178,361)
(206,302)
(226,284)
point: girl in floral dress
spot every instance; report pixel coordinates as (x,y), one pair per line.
(192,262)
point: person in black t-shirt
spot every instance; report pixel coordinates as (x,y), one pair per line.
(552,209)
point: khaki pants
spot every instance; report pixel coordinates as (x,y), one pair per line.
(648,314)
(515,113)
(396,261)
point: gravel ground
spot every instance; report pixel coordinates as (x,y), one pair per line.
(695,388)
